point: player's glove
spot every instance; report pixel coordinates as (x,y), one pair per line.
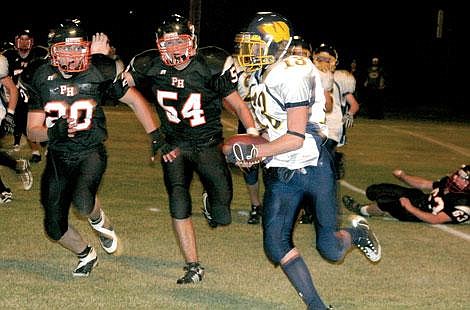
(348,120)
(158,143)
(59,131)
(8,123)
(242,152)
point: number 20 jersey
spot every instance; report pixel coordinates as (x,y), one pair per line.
(79,97)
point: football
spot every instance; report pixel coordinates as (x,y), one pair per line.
(241,139)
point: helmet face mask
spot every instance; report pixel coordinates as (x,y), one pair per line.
(24,41)
(325,58)
(459,181)
(266,41)
(69,48)
(252,52)
(176,41)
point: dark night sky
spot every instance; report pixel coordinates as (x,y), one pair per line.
(403,36)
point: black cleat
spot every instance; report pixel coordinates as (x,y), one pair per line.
(194,273)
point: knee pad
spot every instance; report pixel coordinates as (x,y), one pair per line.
(84,205)
(275,251)
(329,254)
(372,192)
(54,229)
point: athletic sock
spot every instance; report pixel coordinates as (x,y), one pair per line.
(299,276)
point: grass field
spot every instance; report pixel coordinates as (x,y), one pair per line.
(423,266)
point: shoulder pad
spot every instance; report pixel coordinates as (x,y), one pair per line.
(144,60)
(28,72)
(105,65)
(39,51)
(217,59)
(9,53)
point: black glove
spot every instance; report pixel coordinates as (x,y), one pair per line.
(158,143)
(59,131)
(8,123)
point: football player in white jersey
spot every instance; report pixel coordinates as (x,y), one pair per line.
(345,105)
(288,99)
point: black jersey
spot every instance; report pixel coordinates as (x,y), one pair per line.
(188,101)
(16,64)
(455,205)
(79,97)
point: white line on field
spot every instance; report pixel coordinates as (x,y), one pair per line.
(450,146)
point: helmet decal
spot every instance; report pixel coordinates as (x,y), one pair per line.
(278,29)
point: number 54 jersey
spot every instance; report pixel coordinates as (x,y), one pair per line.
(188,101)
(79,96)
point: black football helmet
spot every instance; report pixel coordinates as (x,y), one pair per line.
(69,47)
(325,57)
(459,181)
(300,47)
(266,40)
(24,40)
(176,40)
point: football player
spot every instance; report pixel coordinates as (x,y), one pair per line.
(189,100)
(345,105)
(20,166)
(288,99)
(65,98)
(448,199)
(23,53)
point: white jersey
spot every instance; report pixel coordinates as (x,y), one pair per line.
(244,91)
(3,94)
(3,66)
(293,81)
(344,83)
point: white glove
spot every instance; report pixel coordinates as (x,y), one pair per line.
(348,120)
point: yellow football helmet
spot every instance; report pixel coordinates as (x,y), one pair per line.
(266,40)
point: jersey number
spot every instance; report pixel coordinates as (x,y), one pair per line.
(81,111)
(191,108)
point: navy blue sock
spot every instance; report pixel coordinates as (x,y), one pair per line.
(299,276)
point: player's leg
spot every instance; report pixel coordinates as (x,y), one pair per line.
(178,176)
(216,178)
(56,195)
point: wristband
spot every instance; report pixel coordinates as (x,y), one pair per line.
(252,131)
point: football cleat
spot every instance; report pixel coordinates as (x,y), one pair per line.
(255,215)
(367,241)
(6,196)
(108,238)
(86,263)
(35,158)
(194,273)
(206,210)
(23,169)
(352,205)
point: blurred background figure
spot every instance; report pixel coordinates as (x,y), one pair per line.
(374,86)
(19,57)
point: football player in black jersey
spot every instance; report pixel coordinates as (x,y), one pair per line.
(447,202)
(65,99)
(23,53)
(189,103)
